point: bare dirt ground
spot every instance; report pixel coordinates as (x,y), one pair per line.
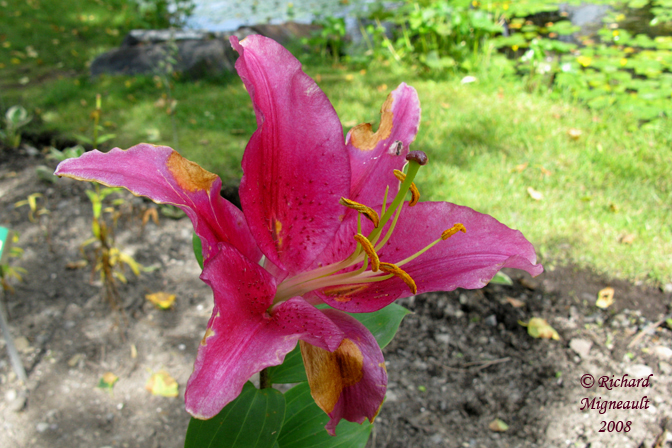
(458,363)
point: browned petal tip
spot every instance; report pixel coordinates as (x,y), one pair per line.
(417,156)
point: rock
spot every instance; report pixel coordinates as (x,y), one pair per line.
(662,352)
(588,297)
(137,37)
(667,288)
(21,343)
(15,400)
(442,338)
(581,347)
(286,32)
(195,58)
(665,368)
(491,320)
(639,371)
(420,365)
(42,426)
(198,53)
(72,312)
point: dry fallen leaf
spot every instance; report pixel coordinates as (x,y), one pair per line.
(162,384)
(150,213)
(628,238)
(350,123)
(605,298)
(382,88)
(162,300)
(520,168)
(349,77)
(534,194)
(515,302)
(538,328)
(107,381)
(574,133)
(445,105)
(498,425)
(77,264)
(544,171)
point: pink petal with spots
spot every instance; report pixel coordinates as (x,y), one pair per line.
(375,156)
(465,260)
(295,165)
(244,336)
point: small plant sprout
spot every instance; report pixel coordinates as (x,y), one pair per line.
(31,201)
(15,118)
(108,259)
(97,127)
(8,250)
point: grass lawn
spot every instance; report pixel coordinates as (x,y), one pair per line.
(606,196)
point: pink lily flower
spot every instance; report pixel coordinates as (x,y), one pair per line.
(303,192)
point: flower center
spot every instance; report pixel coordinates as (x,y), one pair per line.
(341,279)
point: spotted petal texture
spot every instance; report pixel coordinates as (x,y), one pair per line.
(375,156)
(295,165)
(242,338)
(465,260)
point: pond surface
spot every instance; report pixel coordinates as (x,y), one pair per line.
(229,15)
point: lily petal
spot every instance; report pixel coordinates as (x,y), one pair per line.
(350,382)
(242,338)
(465,260)
(375,156)
(295,166)
(163,175)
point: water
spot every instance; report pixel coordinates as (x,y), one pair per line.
(229,15)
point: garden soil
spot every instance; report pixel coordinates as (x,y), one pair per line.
(463,371)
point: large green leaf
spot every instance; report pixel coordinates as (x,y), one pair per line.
(252,420)
(383,324)
(198,249)
(304,425)
(290,371)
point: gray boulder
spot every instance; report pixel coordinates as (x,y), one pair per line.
(197,53)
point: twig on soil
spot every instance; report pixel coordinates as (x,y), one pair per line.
(648,328)
(481,365)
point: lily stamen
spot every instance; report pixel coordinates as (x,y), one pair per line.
(361,208)
(370,251)
(444,236)
(453,230)
(398,272)
(415,193)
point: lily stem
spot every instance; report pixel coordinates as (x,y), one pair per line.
(264,380)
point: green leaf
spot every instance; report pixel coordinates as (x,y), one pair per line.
(252,420)
(198,250)
(290,371)
(383,325)
(501,278)
(304,425)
